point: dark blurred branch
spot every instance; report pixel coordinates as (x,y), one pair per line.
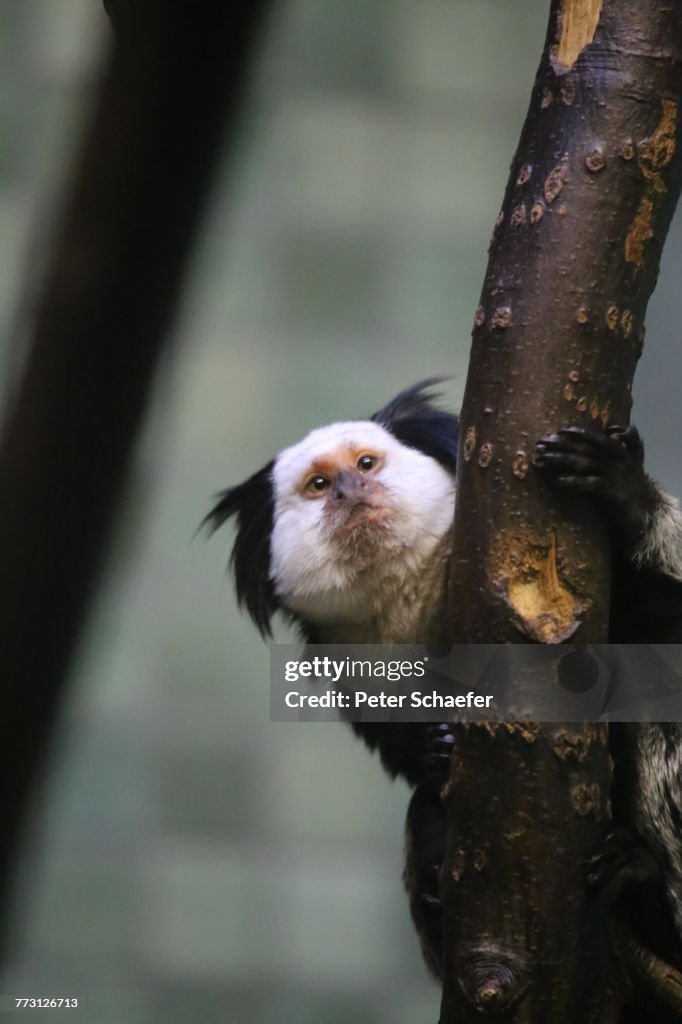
(170,89)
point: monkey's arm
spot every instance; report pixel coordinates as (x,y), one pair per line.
(640,862)
(646,526)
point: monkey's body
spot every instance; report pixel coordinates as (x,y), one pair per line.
(348,534)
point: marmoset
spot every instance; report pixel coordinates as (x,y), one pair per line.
(348,535)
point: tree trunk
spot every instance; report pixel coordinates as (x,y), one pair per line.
(557,335)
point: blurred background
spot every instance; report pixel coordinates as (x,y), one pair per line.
(189,860)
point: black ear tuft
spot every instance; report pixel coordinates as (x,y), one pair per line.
(413,419)
(253,504)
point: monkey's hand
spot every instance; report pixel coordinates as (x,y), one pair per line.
(608,466)
(622,860)
(419,752)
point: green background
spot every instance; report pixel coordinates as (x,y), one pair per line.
(190,861)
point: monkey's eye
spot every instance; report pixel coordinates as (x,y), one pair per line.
(317,484)
(367,462)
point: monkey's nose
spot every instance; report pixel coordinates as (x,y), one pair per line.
(351,486)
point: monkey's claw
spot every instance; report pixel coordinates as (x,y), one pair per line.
(621,861)
(630,437)
(430,901)
(430,895)
(438,753)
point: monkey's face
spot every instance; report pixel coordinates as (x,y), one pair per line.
(351,501)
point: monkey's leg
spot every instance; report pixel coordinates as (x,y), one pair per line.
(424,853)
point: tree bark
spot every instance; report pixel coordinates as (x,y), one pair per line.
(556,338)
(102,317)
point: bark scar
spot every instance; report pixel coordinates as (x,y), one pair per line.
(653,155)
(579,20)
(524,573)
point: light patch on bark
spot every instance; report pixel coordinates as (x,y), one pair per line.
(640,232)
(574,743)
(524,573)
(578,20)
(586,798)
(657,151)
(653,155)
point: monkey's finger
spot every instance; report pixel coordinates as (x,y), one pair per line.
(438,751)
(563,463)
(630,438)
(581,444)
(590,439)
(440,738)
(579,483)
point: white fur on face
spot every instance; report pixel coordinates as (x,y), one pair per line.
(317,571)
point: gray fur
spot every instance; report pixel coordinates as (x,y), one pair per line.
(660,546)
(657,810)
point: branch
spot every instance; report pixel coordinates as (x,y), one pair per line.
(557,335)
(102,318)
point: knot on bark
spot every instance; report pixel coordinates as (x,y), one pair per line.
(492,979)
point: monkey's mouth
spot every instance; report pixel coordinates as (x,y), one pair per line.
(363,514)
